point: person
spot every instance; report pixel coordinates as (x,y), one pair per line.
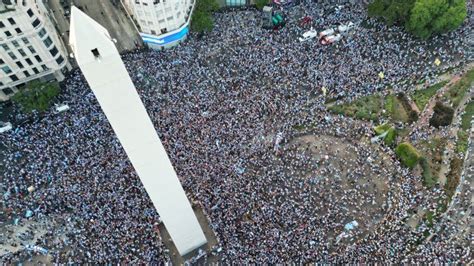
(238,86)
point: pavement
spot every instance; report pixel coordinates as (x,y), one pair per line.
(109,13)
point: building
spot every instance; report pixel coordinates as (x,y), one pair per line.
(99,60)
(161,23)
(30,47)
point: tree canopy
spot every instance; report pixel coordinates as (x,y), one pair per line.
(36,96)
(261,3)
(202,17)
(423,18)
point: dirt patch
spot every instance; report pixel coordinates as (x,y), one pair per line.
(352,178)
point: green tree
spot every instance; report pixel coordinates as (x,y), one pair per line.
(36,96)
(451,19)
(202,20)
(423,18)
(206,6)
(261,3)
(391,11)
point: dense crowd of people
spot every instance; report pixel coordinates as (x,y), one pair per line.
(217,102)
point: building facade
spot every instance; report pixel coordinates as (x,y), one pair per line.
(161,23)
(30,47)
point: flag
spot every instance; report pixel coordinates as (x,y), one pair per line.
(381,75)
(437,62)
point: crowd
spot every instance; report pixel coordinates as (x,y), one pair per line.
(217,102)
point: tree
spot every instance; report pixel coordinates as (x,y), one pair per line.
(36,96)
(422,18)
(261,3)
(207,6)
(442,116)
(451,19)
(202,17)
(392,11)
(202,22)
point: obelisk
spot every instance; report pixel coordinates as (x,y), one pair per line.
(100,62)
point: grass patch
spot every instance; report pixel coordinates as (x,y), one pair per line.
(365,108)
(429,216)
(299,127)
(395,109)
(468,116)
(422,97)
(433,150)
(379,130)
(391,134)
(428,179)
(408,155)
(412,114)
(462,142)
(458,90)
(391,137)
(453,177)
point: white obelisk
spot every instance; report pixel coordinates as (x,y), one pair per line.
(105,72)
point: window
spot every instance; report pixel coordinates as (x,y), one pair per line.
(44,67)
(25,40)
(19,64)
(5,47)
(8,33)
(6,69)
(47,42)
(54,51)
(2,25)
(35,70)
(60,60)
(96,53)
(15,43)
(22,52)
(14,77)
(7,91)
(1,61)
(156,2)
(137,2)
(12,21)
(36,23)
(29,61)
(169,18)
(30,13)
(27,74)
(42,32)
(38,58)
(145,3)
(18,30)
(153,32)
(12,55)
(163,31)
(32,50)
